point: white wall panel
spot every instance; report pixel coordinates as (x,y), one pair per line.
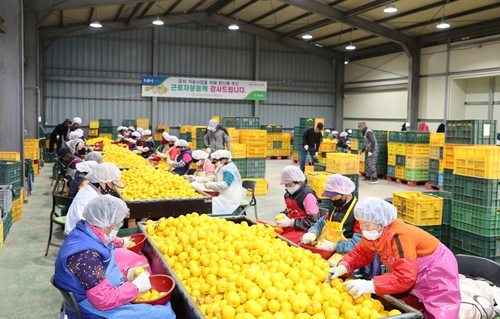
(431,98)
(391,104)
(458,89)
(383,67)
(433,62)
(289,115)
(376,124)
(475,58)
(477,89)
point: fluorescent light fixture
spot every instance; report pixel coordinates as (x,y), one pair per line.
(443,24)
(390,8)
(96,24)
(307,36)
(350,46)
(346,61)
(158,21)
(233,26)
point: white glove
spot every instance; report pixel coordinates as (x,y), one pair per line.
(126,242)
(130,272)
(160,154)
(142,282)
(57,137)
(370,154)
(208,150)
(189,178)
(327,245)
(335,272)
(209,185)
(140,148)
(309,238)
(169,161)
(306,147)
(285,222)
(316,154)
(358,287)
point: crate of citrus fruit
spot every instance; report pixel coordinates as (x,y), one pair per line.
(233,268)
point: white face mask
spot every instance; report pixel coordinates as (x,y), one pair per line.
(219,164)
(112,235)
(293,189)
(371,234)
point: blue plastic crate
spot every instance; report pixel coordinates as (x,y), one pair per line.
(391,171)
(440,179)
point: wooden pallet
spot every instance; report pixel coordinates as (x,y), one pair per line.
(433,187)
(404,181)
(278,157)
(363,174)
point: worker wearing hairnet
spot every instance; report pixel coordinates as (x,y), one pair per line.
(227,182)
(130,130)
(204,168)
(301,205)
(122,133)
(82,168)
(76,124)
(75,135)
(146,145)
(418,262)
(74,154)
(140,130)
(170,150)
(94,156)
(183,160)
(335,135)
(342,142)
(162,150)
(328,135)
(132,140)
(86,265)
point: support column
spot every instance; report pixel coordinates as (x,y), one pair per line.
(338,114)
(32,98)
(256,103)
(413,86)
(154,100)
(447,82)
(491,92)
(12,78)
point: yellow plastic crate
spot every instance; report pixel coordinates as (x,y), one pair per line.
(238,150)
(269,152)
(391,159)
(463,161)
(22,194)
(217,118)
(418,209)
(435,152)
(36,168)
(437,139)
(47,143)
(142,122)
(165,128)
(32,152)
(253,136)
(399,172)
(285,144)
(157,136)
(449,155)
(17,210)
(106,135)
(260,186)
(32,142)
(1,238)
(328,147)
(254,151)
(274,137)
(417,150)
(285,152)
(93,124)
(319,120)
(477,161)
(93,132)
(342,163)
(391,147)
(362,167)
(399,149)
(285,137)
(355,144)
(185,129)
(295,155)
(10,156)
(418,162)
(316,181)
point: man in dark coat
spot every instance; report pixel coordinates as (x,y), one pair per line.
(59,135)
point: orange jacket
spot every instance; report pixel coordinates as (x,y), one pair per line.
(399,247)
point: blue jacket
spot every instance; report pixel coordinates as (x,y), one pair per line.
(183,170)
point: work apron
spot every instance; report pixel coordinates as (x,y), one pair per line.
(334,231)
(294,212)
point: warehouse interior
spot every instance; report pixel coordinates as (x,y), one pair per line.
(386,63)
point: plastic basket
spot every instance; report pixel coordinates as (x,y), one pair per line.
(436,152)
(247,122)
(17,210)
(433,178)
(10,172)
(448,179)
(417,150)
(416,175)
(447,204)
(400,160)
(165,128)
(253,151)
(105,123)
(238,150)
(400,172)
(306,121)
(434,230)
(255,165)
(417,162)
(418,209)
(391,170)
(487,247)
(277,144)
(482,132)
(477,191)
(355,144)
(106,135)
(128,122)
(94,124)
(142,122)
(437,139)
(93,132)
(397,137)
(391,148)
(6,197)
(108,129)
(484,221)
(342,163)
(399,148)
(417,137)
(391,159)
(241,164)
(434,165)
(477,161)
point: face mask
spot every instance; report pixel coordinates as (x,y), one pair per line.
(218,164)
(171,145)
(195,160)
(338,202)
(293,189)
(371,234)
(83,151)
(112,235)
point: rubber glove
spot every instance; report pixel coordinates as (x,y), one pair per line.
(327,245)
(316,154)
(285,222)
(306,147)
(57,137)
(130,272)
(370,154)
(335,272)
(209,185)
(309,238)
(358,287)
(140,149)
(126,242)
(142,282)
(208,150)
(169,161)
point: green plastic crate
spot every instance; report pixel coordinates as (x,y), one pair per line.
(10,172)
(7,224)
(484,221)
(416,175)
(447,202)
(448,180)
(400,160)
(477,191)
(228,121)
(357,133)
(124,232)
(318,167)
(306,121)
(446,231)
(129,122)
(277,144)
(433,178)
(397,137)
(481,132)
(105,123)
(255,168)
(434,165)
(471,243)
(380,135)
(108,129)
(185,136)
(241,164)
(247,123)
(417,137)
(434,230)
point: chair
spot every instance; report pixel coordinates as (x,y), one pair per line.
(69,300)
(55,218)
(474,266)
(249,185)
(191,171)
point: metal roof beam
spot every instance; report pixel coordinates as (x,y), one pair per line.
(366,7)
(416,10)
(150,4)
(91,15)
(117,16)
(53,5)
(134,12)
(217,6)
(480,29)
(355,21)
(249,3)
(268,13)
(332,35)
(383,49)
(309,27)
(196,6)
(172,7)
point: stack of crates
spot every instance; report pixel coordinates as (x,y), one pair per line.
(234,135)
(436,162)
(298,131)
(158,135)
(32,149)
(93,129)
(423,211)
(185,133)
(446,220)
(408,155)
(239,122)
(255,141)
(197,135)
(326,146)
(106,128)
(342,163)
(142,123)
(129,122)
(278,144)
(10,174)
(358,144)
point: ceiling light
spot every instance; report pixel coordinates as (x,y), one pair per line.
(96,24)
(233,26)
(158,21)
(350,46)
(307,36)
(346,61)
(443,24)
(390,8)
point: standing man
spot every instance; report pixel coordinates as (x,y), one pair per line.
(216,137)
(59,135)
(311,139)
(371,147)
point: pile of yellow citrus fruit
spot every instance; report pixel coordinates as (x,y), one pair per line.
(150,183)
(123,157)
(104,140)
(151,294)
(244,272)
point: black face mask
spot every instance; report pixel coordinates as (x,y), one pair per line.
(338,202)
(171,145)
(83,151)
(195,160)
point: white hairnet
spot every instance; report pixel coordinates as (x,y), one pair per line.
(140,130)
(105,211)
(343,134)
(220,154)
(121,128)
(79,130)
(146,132)
(349,131)
(172,138)
(291,174)
(375,210)
(73,144)
(86,166)
(75,135)
(136,134)
(77,120)
(199,154)
(131,128)
(94,156)
(105,172)
(327,131)
(339,184)
(181,143)
(165,135)
(335,132)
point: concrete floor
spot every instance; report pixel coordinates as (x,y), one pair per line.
(25,272)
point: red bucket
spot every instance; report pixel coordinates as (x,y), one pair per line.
(139,240)
(99,146)
(162,283)
(212,193)
(325,254)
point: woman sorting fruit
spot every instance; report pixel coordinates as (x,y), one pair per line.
(87,267)
(301,205)
(70,156)
(204,168)
(146,145)
(183,160)
(418,262)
